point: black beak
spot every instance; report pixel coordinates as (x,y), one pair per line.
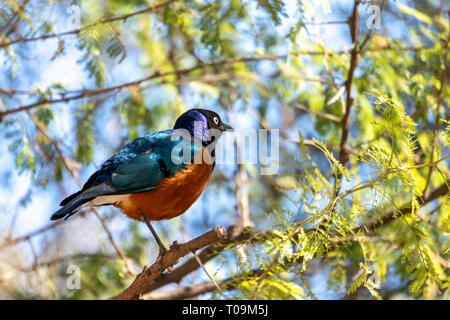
(224,127)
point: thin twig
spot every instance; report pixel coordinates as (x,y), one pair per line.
(206,272)
(80,94)
(176,252)
(439,101)
(151,9)
(324,115)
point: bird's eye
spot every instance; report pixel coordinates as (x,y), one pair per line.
(216,120)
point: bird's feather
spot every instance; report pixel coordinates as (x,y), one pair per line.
(139,166)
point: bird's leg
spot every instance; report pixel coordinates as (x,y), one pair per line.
(162,249)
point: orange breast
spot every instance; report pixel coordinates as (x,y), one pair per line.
(172,197)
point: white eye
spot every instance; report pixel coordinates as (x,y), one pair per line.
(216,120)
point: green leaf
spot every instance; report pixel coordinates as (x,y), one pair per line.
(415,13)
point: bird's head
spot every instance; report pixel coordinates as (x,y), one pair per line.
(203,124)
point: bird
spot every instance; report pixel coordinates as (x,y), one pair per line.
(157,176)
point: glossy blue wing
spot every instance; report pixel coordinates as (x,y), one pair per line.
(141,165)
(141,173)
(145,171)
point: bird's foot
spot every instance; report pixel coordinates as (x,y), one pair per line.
(159,258)
(163,251)
(161,254)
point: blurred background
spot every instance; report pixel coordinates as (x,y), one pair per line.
(358,89)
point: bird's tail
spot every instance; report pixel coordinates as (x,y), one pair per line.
(69,207)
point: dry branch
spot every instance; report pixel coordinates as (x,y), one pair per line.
(176,252)
(345,121)
(81,94)
(235,235)
(186,292)
(150,9)
(390,215)
(26,237)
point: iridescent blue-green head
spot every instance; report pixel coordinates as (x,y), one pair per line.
(204,125)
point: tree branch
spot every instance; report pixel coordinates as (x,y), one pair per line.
(151,9)
(345,121)
(26,237)
(235,235)
(187,292)
(439,100)
(80,94)
(390,215)
(368,227)
(240,236)
(325,115)
(176,252)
